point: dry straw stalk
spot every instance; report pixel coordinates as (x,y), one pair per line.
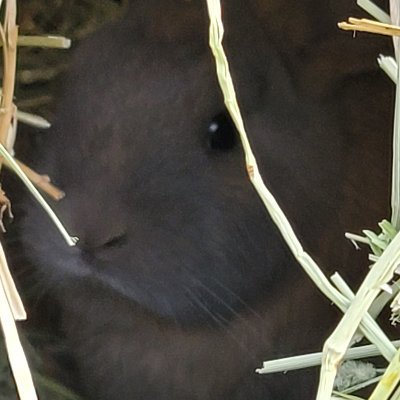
(382,272)
(367,25)
(309,265)
(11,307)
(358,305)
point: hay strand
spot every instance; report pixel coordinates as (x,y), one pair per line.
(374,10)
(16,355)
(33,120)
(52,42)
(314,359)
(389,66)
(368,326)
(337,344)
(11,307)
(369,26)
(389,381)
(395,15)
(71,240)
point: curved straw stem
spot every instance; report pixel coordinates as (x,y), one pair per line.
(369,326)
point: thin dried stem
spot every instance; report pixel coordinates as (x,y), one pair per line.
(11,307)
(389,381)
(54,42)
(71,240)
(369,326)
(16,355)
(337,344)
(367,25)
(374,10)
(9,38)
(42,182)
(314,359)
(395,199)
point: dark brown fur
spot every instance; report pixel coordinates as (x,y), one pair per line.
(181,285)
